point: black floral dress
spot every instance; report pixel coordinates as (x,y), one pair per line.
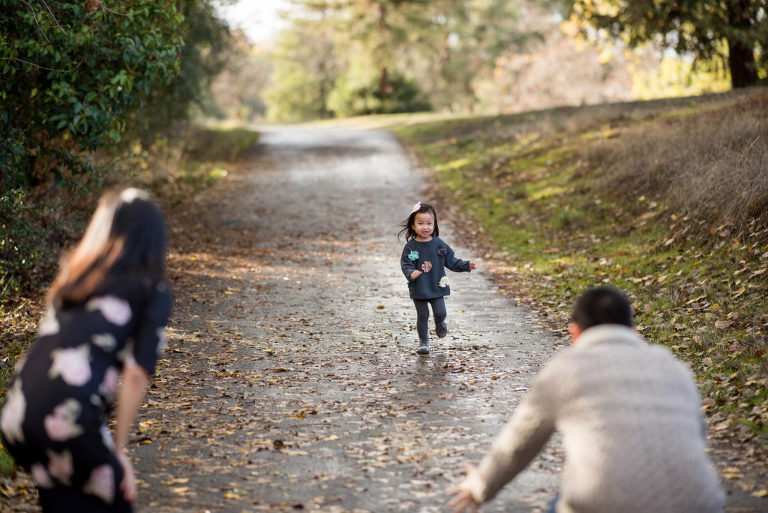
(54,420)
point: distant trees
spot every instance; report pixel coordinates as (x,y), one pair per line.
(364,56)
(733,30)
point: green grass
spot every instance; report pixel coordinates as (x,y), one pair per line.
(554,220)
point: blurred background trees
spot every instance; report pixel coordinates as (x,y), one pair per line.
(357,57)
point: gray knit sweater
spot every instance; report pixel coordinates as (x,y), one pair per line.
(632,429)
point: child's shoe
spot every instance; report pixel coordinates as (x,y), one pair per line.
(441,329)
(423,348)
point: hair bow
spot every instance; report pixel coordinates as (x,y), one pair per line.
(416,207)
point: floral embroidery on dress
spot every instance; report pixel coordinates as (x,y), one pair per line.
(442,250)
(60,425)
(102,483)
(13,414)
(115,310)
(40,476)
(60,465)
(72,364)
(413,255)
(443,281)
(426,266)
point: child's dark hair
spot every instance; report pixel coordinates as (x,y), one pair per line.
(407,224)
(602,305)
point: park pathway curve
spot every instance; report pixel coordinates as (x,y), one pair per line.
(290,382)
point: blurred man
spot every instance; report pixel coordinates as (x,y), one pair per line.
(630,418)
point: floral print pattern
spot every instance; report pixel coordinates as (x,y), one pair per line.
(413,255)
(60,425)
(60,466)
(40,476)
(441,250)
(71,375)
(106,341)
(49,325)
(443,281)
(13,414)
(72,365)
(102,483)
(115,310)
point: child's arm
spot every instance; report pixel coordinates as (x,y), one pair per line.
(456,264)
(407,265)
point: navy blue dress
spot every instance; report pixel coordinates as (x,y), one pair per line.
(54,420)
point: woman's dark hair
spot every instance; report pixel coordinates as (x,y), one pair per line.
(407,224)
(125,240)
(602,305)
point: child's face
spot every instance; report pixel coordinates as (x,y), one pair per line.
(423,225)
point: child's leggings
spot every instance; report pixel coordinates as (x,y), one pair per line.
(422,315)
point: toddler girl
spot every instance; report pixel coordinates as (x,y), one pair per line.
(423,262)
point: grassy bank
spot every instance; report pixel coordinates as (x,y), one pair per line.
(56,218)
(667,200)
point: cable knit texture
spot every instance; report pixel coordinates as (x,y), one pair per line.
(632,429)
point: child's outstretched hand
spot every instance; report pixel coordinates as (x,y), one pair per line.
(472,266)
(415,274)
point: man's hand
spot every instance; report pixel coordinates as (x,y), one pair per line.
(463,495)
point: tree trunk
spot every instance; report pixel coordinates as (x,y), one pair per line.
(741,62)
(384,87)
(741,53)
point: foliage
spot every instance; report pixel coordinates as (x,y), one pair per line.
(732,30)
(305,68)
(677,77)
(71,75)
(357,95)
(353,47)
(237,91)
(547,191)
(205,52)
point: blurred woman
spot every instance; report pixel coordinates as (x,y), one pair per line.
(106,317)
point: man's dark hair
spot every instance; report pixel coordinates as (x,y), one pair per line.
(602,305)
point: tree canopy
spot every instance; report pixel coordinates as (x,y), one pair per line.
(735,31)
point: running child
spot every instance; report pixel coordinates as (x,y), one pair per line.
(424,259)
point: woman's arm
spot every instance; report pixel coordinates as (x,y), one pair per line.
(129,399)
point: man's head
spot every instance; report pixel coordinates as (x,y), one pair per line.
(600,305)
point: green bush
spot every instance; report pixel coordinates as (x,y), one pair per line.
(355,95)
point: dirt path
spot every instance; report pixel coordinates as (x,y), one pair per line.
(291,381)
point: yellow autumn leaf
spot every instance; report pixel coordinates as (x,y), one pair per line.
(760,493)
(178,480)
